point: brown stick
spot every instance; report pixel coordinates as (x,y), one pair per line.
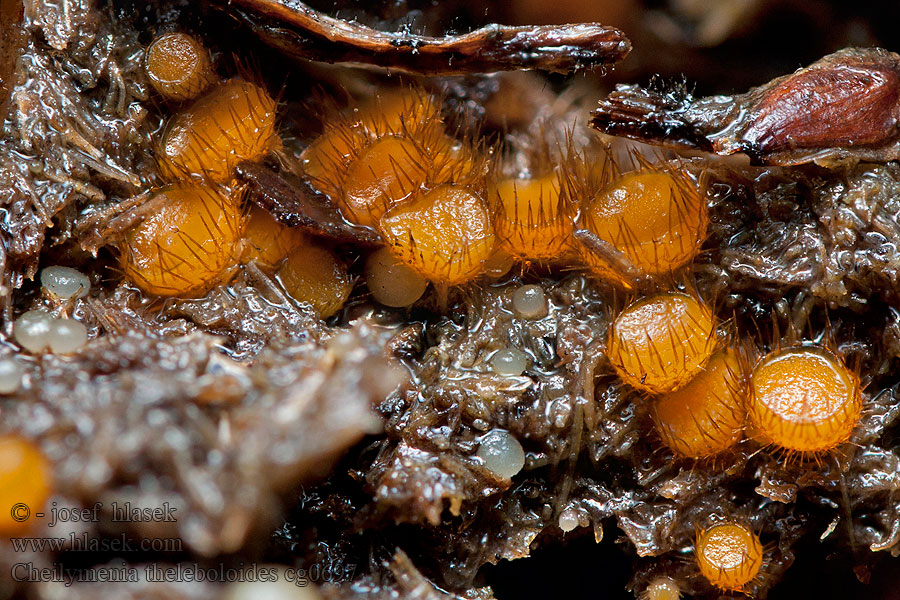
(302,32)
(298,205)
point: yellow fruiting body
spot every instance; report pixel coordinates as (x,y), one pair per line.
(25,484)
(266,240)
(188,246)
(729,555)
(314,274)
(445,234)
(397,110)
(656,219)
(234,122)
(498,264)
(533,219)
(660,343)
(178,66)
(326,159)
(406,112)
(706,416)
(386,172)
(804,399)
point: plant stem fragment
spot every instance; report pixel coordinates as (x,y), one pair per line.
(301,32)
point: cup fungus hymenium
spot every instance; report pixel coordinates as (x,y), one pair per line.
(178,66)
(233,122)
(803,399)
(312,273)
(386,172)
(378,153)
(533,217)
(188,245)
(729,555)
(656,218)
(445,234)
(706,416)
(658,344)
(267,241)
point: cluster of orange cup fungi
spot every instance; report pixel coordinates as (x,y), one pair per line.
(201,231)
(446,217)
(438,200)
(666,345)
(447,214)
(391,165)
(802,399)
(446,208)
(706,393)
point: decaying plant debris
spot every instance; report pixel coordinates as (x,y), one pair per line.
(297,204)
(235,407)
(845,107)
(300,31)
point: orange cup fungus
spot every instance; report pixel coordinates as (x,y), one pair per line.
(706,416)
(406,112)
(266,240)
(234,122)
(314,274)
(385,152)
(189,245)
(729,555)
(178,66)
(657,219)
(533,218)
(386,172)
(660,343)
(25,484)
(445,234)
(402,109)
(804,399)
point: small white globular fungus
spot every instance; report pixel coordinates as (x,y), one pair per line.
(392,282)
(11,372)
(32,330)
(67,336)
(569,519)
(37,331)
(65,282)
(509,362)
(530,302)
(502,453)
